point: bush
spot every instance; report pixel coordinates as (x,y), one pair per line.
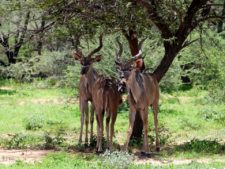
(52,141)
(21,141)
(202,146)
(47,65)
(17,141)
(54,136)
(116,160)
(213,114)
(206,67)
(34,122)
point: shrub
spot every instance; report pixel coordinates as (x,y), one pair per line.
(213,114)
(54,136)
(34,122)
(207,65)
(202,146)
(51,141)
(116,159)
(47,65)
(17,141)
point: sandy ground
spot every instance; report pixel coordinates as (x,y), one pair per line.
(29,156)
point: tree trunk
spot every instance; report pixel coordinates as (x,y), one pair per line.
(138,127)
(220,23)
(133,44)
(41,36)
(171,52)
(12,53)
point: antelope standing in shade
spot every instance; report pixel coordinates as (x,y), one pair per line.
(87,80)
(143,91)
(107,99)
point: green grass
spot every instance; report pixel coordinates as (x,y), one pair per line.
(23,102)
(188,123)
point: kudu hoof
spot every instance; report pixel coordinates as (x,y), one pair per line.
(145,154)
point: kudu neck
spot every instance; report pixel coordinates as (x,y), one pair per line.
(91,75)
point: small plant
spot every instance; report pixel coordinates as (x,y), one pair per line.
(17,141)
(164,135)
(204,146)
(211,114)
(52,141)
(135,142)
(116,160)
(34,122)
(55,136)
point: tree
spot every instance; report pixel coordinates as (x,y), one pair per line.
(12,34)
(19,23)
(220,23)
(174,20)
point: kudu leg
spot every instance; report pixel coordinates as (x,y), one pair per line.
(86,124)
(83,104)
(155,111)
(107,130)
(101,131)
(144,117)
(98,132)
(92,121)
(113,120)
(130,129)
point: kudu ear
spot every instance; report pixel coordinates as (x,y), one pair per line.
(138,63)
(77,55)
(98,58)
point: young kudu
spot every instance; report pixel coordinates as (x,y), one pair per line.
(106,98)
(143,91)
(87,80)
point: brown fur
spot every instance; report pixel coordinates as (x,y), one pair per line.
(142,95)
(143,91)
(87,79)
(106,98)
(85,95)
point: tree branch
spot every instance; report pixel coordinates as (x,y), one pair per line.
(153,15)
(211,17)
(187,25)
(187,43)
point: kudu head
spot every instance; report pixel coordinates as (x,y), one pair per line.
(87,61)
(124,67)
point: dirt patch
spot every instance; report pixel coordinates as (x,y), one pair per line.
(29,156)
(6,88)
(8,157)
(50,101)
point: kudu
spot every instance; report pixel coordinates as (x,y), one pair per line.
(87,80)
(143,91)
(106,98)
